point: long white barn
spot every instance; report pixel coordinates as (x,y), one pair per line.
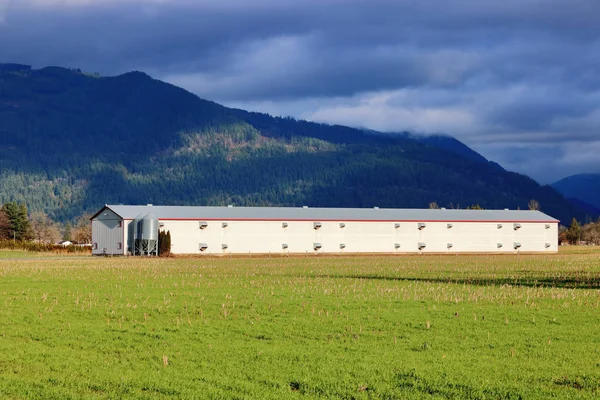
(281,230)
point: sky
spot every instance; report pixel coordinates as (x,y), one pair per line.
(516,80)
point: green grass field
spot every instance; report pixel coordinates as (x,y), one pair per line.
(17,254)
(443,327)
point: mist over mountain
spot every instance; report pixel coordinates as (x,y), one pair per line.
(71,141)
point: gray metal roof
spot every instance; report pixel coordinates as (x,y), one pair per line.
(328,214)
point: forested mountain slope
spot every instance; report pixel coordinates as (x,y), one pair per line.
(71,142)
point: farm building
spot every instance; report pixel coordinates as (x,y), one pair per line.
(122,230)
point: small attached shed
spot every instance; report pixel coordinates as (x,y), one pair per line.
(108,234)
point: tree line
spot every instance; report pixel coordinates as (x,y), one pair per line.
(18,225)
(577,233)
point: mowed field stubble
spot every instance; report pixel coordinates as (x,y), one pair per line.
(431,326)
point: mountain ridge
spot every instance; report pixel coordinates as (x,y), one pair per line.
(584,187)
(91,140)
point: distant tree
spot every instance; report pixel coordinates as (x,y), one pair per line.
(533,205)
(591,233)
(5,227)
(574,232)
(562,234)
(67,234)
(44,229)
(25,226)
(19,222)
(475,207)
(37,222)
(83,230)
(164,243)
(433,205)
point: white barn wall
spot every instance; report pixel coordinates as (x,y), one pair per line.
(405,236)
(552,237)
(263,237)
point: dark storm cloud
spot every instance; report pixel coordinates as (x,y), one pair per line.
(335,47)
(116,36)
(497,74)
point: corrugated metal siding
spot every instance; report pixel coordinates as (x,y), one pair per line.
(108,234)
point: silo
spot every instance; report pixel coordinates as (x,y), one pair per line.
(132,235)
(148,234)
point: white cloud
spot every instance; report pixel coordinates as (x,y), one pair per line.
(375,111)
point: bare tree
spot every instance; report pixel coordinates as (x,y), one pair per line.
(591,233)
(83,230)
(533,205)
(44,229)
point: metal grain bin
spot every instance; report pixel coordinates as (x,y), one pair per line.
(132,235)
(149,227)
(148,234)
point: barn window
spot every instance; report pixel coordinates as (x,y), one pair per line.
(202,246)
(449,245)
(203,224)
(95,246)
(422,225)
(284,224)
(396,245)
(284,246)
(342,225)
(449,226)
(499,245)
(317,225)
(224,246)
(120,224)
(119,245)
(516,245)
(161,224)
(499,226)
(516,226)
(547,226)
(224,225)
(422,245)
(342,246)
(397,225)
(317,246)
(548,245)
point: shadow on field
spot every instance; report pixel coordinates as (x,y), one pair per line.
(568,283)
